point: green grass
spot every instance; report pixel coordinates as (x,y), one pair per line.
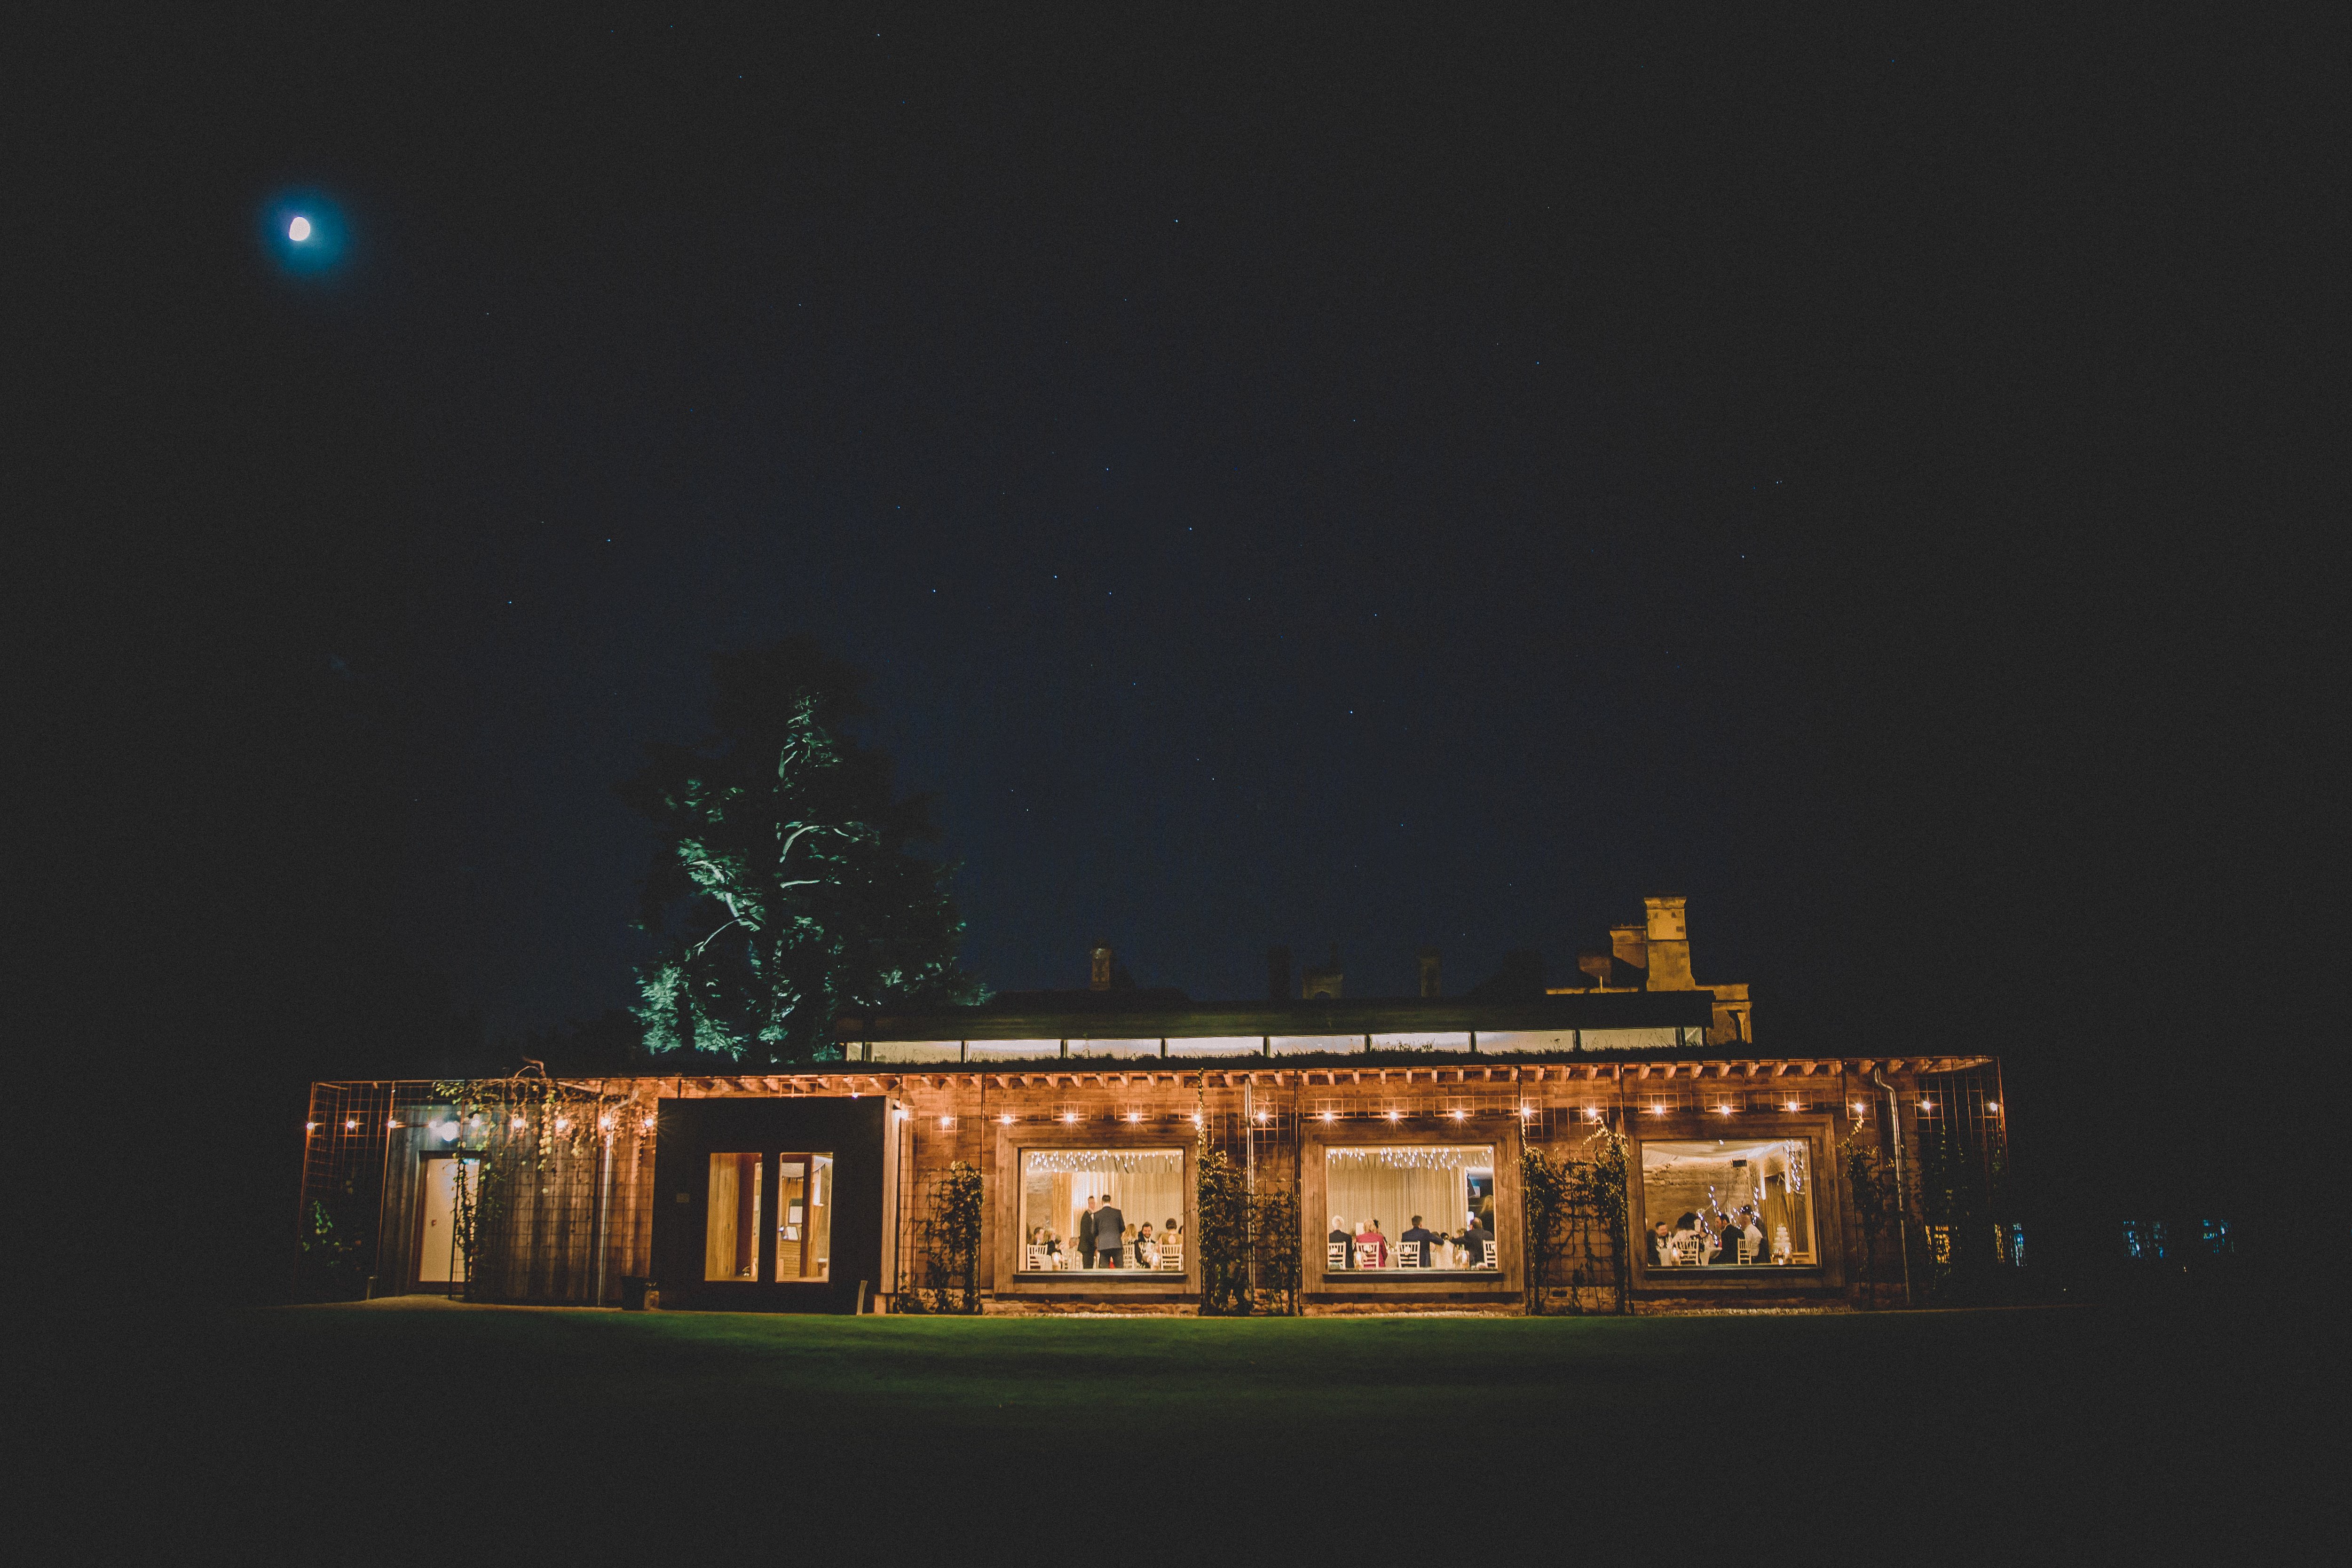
(616,1423)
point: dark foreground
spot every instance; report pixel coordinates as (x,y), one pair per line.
(336,1433)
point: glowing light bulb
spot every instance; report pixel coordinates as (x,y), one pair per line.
(1135,1115)
(1261,1115)
(1069,1115)
(947,1121)
(1992,1104)
(1006,1119)
(309,1126)
(606,1123)
(1723,1110)
(517,1123)
(1927,1105)
(351,1125)
(1196,1118)
(1790,1106)
(1395,1115)
(1525,1112)
(298,230)
(1457,1116)
(1327,1116)
(389,1124)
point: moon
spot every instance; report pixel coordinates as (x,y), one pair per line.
(298,230)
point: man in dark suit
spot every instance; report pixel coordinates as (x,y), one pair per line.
(1110,1235)
(1474,1241)
(1341,1238)
(1086,1234)
(1419,1240)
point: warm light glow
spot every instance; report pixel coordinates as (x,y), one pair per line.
(563,1125)
(517,1123)
(1457,1116)
(1657,1109)
(1525,1112)
(1992,1104)
(1857,1107)
(390,1123)
(1326,1116)
(1196,1118)
(649,1123)
(1927,1105)
(1006,1118)
(1723,1110)
(1135,1115)
(1396,1115)
(309,1126)
(1261,1115)
(298,230)
(1069,1115)
(947,1121)
(1791,1106)
(606,1123)
(351,1125)
(1592,1113)
(902,1112)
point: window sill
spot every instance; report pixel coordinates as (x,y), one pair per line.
(1406,1276)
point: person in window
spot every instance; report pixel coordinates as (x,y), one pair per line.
(1369,1237)
(1147,1250)
(1110,1235)
(1339,1237)
(1171,1235)
(1419,1240)
(1662,1246)
(1751,1228)
(1686,1235)
(1474,1240)
(1727,1242)
(1086,1234)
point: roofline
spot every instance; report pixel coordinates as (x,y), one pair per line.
(1380,1015)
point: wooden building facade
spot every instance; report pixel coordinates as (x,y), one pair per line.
(1397,1128)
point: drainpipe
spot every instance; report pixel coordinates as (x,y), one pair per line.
(1902,1231)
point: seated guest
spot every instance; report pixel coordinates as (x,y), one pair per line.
(1685,1232)
(1752,1230)
(1662,1246)
(1474,1240)
(1172,1234)
(1418,1239)
(1727,1242)
(1147,1251)
(1339,1237)
(1369,1236)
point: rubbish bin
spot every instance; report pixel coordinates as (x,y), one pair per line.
(633,1292)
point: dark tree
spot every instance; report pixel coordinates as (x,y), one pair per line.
(784,890)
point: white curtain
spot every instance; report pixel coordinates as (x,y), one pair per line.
(1147,1188)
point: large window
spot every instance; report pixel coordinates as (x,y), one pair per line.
(737,1245)
(1729,1203)
(1410,1207)
(1102,1209)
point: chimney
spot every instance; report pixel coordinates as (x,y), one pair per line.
(1429,987)
(1629,946)
(1324,983)
(1098,967)
(1277,973)
(1667,938)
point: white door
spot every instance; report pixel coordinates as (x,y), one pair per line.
(439,1261)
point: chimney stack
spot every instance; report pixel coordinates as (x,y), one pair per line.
(1098,967)
(1666,936)
(1429,987)
(1277,973)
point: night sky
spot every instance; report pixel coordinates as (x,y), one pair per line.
(1366,487)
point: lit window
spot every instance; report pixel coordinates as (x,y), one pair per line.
(1115,1212)
(1727,1204)
(1410,1208)
(736,1243)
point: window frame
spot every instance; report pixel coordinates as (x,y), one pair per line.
(771,1210)
(1816,1130)
(1003,1214)
(1500,1130)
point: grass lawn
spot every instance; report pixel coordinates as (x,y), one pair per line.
(750,1432)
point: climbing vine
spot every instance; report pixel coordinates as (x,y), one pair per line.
(1596,1188)
(951,1244)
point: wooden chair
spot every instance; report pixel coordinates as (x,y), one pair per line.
(1489,1264)
(1368,1254)
(1407,1254)
(1171,1256)
(1689,1250)
(1747,1250)
(1032,1258)
(1335,1256)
